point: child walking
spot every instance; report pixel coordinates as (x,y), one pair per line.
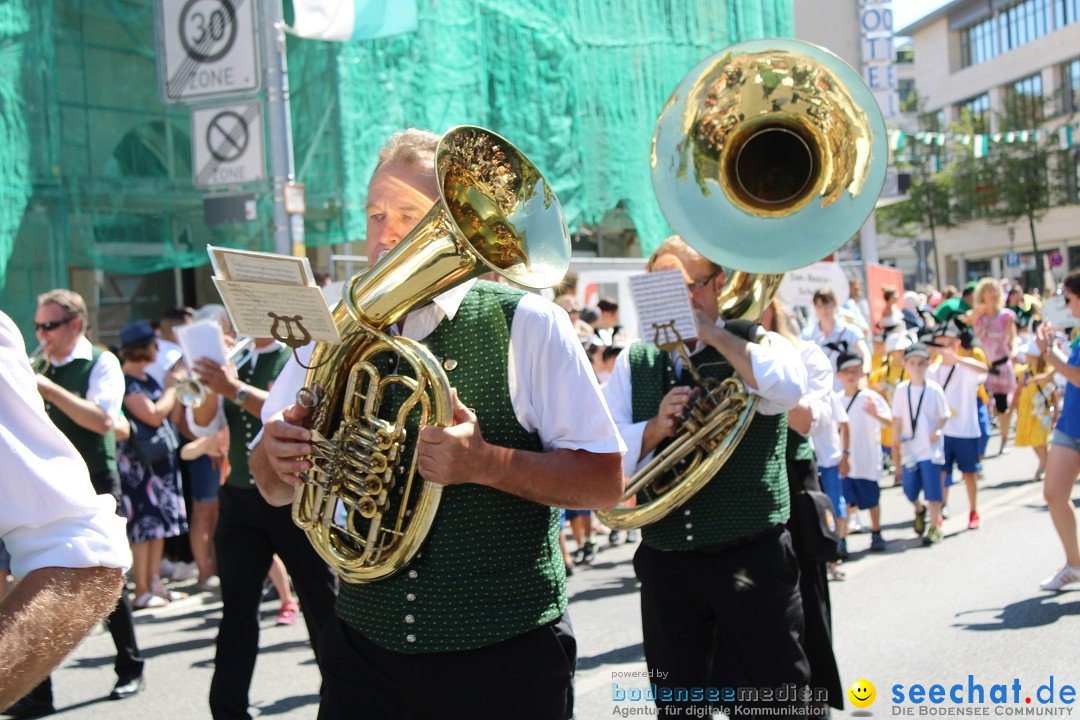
(867,412)
(919,415)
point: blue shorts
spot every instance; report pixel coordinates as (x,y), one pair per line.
(864,493)
(571,514)
(962,452)
(925,477)
(831,486)
(5,559)
(205,479)
(1065,440)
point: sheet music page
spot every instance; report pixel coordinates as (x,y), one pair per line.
(201,339)
(660,298)
(1057,312)
(260,267)
(250,305)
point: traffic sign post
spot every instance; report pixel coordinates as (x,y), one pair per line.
(227,145)
(1056,259)
(208,49)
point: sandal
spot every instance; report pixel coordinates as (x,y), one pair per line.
(158,588)
(836,572)
(149,600)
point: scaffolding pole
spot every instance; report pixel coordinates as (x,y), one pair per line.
(288,227)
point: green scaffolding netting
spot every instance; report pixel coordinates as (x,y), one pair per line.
(98,171)
(576,84)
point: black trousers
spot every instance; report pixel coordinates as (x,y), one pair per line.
(121,624)
(723,620)
(249,533)
(528,677)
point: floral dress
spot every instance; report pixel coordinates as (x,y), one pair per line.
(153,499)
(993,334)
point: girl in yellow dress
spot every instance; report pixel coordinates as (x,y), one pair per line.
(1036,401)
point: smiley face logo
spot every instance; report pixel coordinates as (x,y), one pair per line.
(862,693)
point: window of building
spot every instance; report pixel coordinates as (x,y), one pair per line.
(1023,22)
(1024,103)
(978,108)
(1066,12)
(1070,86)
(977,43)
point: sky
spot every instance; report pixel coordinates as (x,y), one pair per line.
(906,12)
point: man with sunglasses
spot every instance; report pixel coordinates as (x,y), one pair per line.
(720,600)
(83,390)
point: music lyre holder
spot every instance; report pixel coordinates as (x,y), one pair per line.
(290,339)
(672,340)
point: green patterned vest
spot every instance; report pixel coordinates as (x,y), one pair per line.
(798,447)
(262,370)
(750,493)
(490,568)
(99,451)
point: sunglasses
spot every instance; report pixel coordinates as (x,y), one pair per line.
(50,326)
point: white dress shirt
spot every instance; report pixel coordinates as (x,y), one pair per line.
(107,387)
(552,388)
(778,372)
(49,513)
(819,384)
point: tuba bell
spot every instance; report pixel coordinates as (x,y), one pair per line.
(767,157)
(364,506)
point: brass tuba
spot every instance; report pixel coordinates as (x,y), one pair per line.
(768,156)
(364,507)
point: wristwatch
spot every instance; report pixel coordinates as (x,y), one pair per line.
(242,394)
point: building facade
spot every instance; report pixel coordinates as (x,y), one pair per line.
(980,61)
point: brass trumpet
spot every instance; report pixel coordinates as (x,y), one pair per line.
(39,359)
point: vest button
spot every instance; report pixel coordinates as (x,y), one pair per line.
(686,511)
(412,574)
(689,525)
(690,538)
(410,638)
(410,597)
(410,619)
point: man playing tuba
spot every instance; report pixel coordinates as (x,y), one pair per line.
(479,615)
(720,603)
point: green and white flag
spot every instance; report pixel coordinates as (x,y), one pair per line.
(344,20)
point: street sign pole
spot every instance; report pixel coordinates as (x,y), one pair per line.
(288,229)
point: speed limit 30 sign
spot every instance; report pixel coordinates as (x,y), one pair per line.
(208,49)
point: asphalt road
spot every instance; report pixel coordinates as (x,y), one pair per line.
(969,606)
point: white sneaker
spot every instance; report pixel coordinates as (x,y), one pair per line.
(184,571)
(1065,576)
(854,525)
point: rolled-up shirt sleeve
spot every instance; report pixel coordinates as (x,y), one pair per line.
(552,387)
(819,384)
(50,515)
(106,387)
(779,373)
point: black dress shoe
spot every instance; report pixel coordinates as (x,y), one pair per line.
(126,687)
(30,707)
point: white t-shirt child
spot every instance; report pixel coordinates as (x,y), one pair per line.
(865,430)
(924,408)
(961,386)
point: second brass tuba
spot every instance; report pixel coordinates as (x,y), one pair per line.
(768,156)
(364,506)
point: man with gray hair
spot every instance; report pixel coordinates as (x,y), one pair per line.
(477,620)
